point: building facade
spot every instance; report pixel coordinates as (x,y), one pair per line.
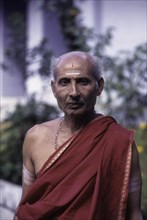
(130,30)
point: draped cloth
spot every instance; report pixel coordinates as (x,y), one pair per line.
(86,178)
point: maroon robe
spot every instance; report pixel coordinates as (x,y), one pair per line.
(88,181)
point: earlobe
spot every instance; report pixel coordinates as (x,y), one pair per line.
(98,92)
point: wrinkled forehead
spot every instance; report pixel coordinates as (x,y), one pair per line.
(74,64)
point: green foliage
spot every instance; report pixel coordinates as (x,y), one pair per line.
(125,87)
(13,132)
(21,58)
(16,51)
(141,141)
(75,34)
(103,41)
(39,55)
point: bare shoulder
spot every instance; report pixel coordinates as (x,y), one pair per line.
(39,129)
(39,133)
(51,124)
(38,144)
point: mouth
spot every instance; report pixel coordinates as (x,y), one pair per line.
(75,105)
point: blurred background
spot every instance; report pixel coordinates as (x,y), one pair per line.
(31,33)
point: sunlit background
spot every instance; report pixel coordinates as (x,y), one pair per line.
(33,31)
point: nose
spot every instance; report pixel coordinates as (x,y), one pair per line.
(74,92)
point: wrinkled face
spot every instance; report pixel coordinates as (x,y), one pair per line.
(75,87)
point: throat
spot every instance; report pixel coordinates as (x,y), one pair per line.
(69,126)
(75,123)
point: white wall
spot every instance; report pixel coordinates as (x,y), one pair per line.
(127,16)
(10,195)
(129,19)
(12,88)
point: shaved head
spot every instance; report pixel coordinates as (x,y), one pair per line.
(74,62)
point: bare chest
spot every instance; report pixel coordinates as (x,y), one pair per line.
(44,148)
(40,155)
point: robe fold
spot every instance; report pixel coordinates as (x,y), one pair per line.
(87,180)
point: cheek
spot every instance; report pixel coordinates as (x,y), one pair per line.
(91,97)
(90,92)
(59,93)
(61,97)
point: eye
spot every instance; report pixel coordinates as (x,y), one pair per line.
(83,81)
(64,82)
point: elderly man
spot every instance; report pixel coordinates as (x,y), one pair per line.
(83,166)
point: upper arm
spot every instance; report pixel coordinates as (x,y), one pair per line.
(134,196)
(28,166)
(27,162)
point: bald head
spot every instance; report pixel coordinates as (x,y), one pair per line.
(75,62)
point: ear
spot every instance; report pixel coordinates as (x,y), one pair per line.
(100,86)
(53,87)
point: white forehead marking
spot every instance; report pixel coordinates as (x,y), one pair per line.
(76,72)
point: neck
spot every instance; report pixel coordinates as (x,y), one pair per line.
(74,123)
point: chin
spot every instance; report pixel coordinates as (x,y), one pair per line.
(76,112)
